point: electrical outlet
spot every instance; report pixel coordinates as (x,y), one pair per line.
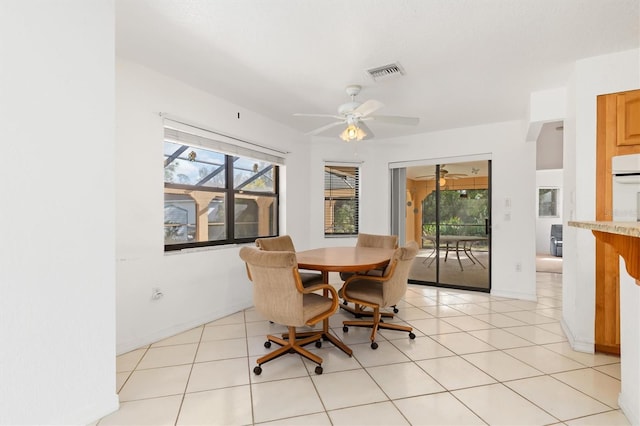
(156,294)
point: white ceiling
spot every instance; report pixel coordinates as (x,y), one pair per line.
(467,62)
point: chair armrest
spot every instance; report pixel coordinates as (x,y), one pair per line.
(334,301)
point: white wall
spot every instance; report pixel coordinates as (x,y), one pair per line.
(57,264)
(547,179)
(198,285)
(513,169)
(591,77)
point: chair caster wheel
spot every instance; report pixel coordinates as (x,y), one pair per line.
(345,303)
(291,351)
(412,336)
(345,329)
(381,320)
(318,370)
(257,370)
(374,345)
(319,344)
(395,310)
(267,344)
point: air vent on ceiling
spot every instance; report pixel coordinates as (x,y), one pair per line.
(386,71)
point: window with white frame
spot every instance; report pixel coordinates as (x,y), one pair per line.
(341,199)
(214,197)
(548,202)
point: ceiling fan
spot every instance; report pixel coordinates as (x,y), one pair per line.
(444,175)
(354,114)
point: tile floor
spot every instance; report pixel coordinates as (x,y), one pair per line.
(477,359)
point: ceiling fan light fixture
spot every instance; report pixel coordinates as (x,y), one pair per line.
(442,181)
(352,133)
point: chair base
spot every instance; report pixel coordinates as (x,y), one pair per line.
(375,326)
(290,345)
(358,311)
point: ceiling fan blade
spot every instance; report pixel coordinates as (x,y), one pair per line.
(367,108)
(394,119)
(337,117)
(326,127)
(367,130)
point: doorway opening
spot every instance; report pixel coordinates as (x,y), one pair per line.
(449,214)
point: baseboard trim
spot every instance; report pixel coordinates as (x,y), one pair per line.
(627,409)
(514,295)
(576,345)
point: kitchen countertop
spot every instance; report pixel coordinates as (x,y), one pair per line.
(631,229)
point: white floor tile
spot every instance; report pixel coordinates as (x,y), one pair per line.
(218,374)
(611,418)
(455,372)
(557,398)
(590,360)
(421,348)
(543,359)
(535,335)
(404,380)
(612,370)
(318,419)
(514,409)
(412,313)
(499,320)
(382,414)
(165,356)
(467,323)
(347,388)
(462,343)
(433,326)
(442,311)
(155,382)
(594,383)
(129,360)
(385,354)
(285,398)
(500,339)
(228,406)
(501,366)
(221,349)
(222,332)
(439,409)
(151,412)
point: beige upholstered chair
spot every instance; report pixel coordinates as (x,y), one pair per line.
(374,241)
(381,292)
(279,296)
(285,243)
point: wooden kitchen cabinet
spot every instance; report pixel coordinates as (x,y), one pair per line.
(618,133)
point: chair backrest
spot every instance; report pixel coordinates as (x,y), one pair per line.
(395,287)
(276,285)
(556,231)
(281,243)
(377,241)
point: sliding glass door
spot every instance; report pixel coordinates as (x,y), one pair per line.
(449,215)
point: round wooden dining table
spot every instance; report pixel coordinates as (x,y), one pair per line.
(342,259)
